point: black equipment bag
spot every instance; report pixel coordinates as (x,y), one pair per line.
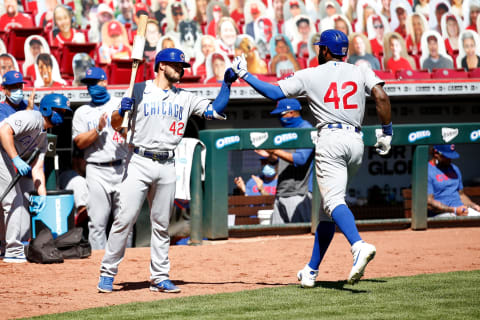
(42,249)
(72,245)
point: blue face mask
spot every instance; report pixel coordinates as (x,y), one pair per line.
(268,171)
(292,122)
(99,94)
(57,118)
(16,96)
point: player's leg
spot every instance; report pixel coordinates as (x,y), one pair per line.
(98,206)
(26,185)
(13,209)
(116,179)
(161,197)
(133,191)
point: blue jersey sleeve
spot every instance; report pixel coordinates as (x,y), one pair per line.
(300,156)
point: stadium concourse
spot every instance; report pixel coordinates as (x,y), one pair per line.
(53,44)
(229,266)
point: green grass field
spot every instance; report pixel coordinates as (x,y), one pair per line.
(454,295)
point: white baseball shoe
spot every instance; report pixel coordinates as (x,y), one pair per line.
(363,253)
(307,277)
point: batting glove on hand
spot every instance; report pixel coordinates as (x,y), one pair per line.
(37,204)
(22,167)
(239,65)
(383,144)
(230,76)
(126,105)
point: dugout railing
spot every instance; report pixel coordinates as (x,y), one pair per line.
(209,205)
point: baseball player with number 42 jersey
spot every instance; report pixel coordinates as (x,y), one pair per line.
(158,117)
(104,152)
(336,95)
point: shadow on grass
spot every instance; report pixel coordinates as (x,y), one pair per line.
(344,286)
(128,286)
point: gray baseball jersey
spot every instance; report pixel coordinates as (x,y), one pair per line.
(336,93)
(161,117)
(109,146)
(335,90)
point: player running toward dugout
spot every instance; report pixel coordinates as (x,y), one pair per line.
(336,95)
(159,116)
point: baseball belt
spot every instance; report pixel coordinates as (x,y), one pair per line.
(155,156)
(113,163)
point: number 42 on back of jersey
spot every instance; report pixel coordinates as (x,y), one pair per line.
(332,95)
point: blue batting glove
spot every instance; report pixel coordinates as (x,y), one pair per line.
(126,105)
(37,204)
(22,167)
(230,76)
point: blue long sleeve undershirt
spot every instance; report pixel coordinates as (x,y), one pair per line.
(221,101)
(268,90)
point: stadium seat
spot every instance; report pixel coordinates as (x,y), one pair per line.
(121,69)
(449,74)
(16,40)
(30,7)
(384,75)
(475,73)
(69,50)
(412,75)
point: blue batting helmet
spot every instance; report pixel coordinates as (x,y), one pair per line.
(53,101)
(336,41)
(171,55)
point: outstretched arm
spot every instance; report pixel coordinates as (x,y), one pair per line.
(266,89)
(215,109)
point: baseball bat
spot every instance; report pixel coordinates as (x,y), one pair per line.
(18,175)
(137,57)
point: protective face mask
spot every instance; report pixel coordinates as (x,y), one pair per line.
(292,122)
(56,119)
(268,171)
(16,96)
(99,94)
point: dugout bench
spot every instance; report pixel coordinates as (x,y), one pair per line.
(209,211)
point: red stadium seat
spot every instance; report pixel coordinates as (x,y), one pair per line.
(121,70)
(69,50)
(475,73)
(449,74)
(412,75)
(16,40)
(384,75)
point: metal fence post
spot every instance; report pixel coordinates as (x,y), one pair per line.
(419,188)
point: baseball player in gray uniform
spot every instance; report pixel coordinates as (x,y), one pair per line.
(20,134)
(104,152)
(160,112)
(336,95)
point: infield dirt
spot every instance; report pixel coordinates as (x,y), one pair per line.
(227,266)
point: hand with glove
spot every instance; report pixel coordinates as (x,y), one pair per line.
(126,105)
(230,76)
(37,204)
(384,140)
(239,65)
(22,167)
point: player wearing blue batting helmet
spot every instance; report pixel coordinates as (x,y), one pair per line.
(53,107)
(172,55)
(335,41)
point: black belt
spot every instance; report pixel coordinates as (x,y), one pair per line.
(155,156)
(343,126)
(107,164)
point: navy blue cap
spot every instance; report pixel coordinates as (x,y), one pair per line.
(12,77)
(94,73)
(287,105)
(447,150)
